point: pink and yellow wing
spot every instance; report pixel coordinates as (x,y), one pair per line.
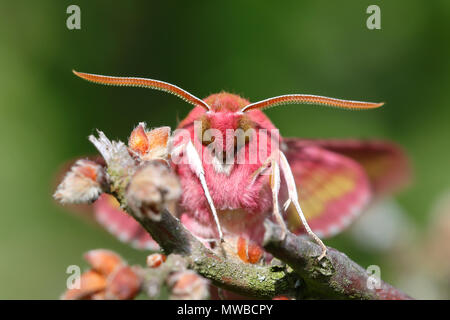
(333,189)
(385,163)
(108,214)
(337,178)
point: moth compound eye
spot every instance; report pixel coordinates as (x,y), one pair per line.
(241,138)
(244,131)
(205,136)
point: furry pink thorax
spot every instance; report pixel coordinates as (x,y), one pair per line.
(242,205)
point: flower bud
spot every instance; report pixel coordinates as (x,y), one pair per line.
(149,145)
(155,260)
(82,183)
(103,261)
(91,282)
(188,285)
(158,140)
(153,188)
(138,141)
(123,284)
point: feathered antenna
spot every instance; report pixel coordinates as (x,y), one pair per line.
(310,99)
(144,83)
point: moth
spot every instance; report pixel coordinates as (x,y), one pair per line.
(229,187)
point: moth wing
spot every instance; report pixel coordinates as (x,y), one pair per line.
(385,163)
(108,214)
(333,189)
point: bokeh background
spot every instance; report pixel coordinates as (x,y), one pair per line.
(253,48)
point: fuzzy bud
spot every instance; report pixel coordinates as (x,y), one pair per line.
(103,261)
(149,144)
(138,141)
(159,139)
(153,188)
(91,282)
(188,285)
(82,183)
(155,260)
(115,153)
(123,284)
(110,278)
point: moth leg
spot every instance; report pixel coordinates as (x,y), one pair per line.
(275,186)
(265,166)
(196,166)
(271,164)
(293,197)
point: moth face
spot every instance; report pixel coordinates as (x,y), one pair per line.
(225,133)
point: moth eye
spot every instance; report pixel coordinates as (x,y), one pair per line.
(205,136)
(241,137)
(245,125)
(208,139)
(236,149)
(240,140)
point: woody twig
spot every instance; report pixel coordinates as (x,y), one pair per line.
(150,190)
(334,277)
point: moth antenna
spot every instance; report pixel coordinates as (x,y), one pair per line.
(311,99)
(144,83)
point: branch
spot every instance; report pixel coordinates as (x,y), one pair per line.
(246,279)
(145,204)
(336,276)
(149,190)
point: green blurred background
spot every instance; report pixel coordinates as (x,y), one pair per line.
(253,48)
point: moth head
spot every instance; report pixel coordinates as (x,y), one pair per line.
(224,111)
(224,133)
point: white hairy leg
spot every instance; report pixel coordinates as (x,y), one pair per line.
(275,182)
(293,197)
(275,186)
(196,166)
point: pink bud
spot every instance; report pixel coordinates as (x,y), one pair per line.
(154,187)
(82,184)
(155,260)
(123,284)
(138,141)
(188,285)
(91,282)
(103,261)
